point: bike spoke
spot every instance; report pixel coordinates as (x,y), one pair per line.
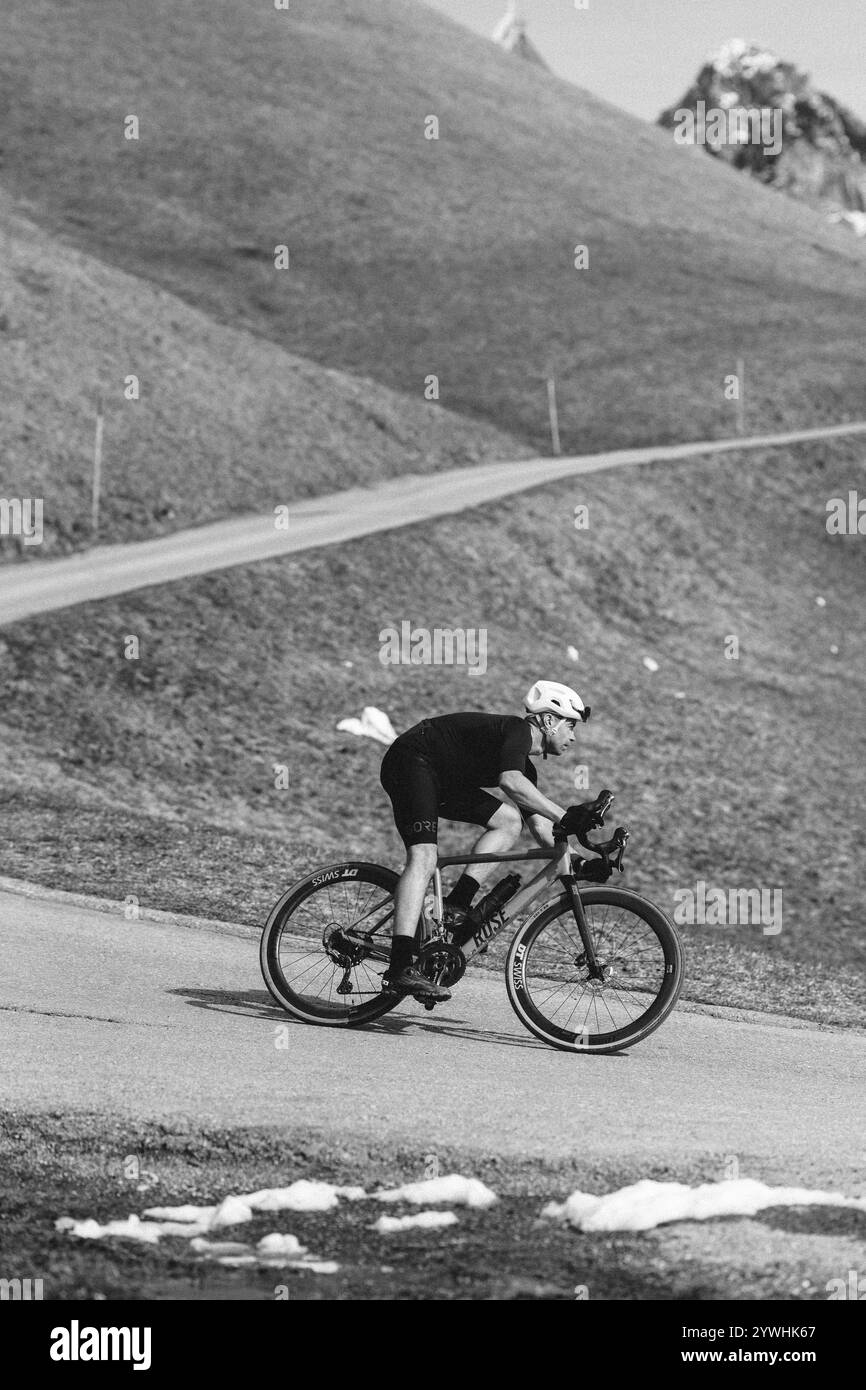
(376,980)
(316,963)
(573,1012)
(558,983)
(350,919)
(324,965)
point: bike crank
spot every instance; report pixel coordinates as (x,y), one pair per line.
(442,963)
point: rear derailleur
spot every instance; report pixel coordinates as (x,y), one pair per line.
(342,952)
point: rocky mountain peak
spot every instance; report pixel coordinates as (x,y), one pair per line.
(818,149)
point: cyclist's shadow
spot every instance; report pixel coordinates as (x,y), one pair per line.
(254,1003)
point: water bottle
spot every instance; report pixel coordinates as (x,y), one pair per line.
(496,898)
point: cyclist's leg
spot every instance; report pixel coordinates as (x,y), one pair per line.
(411,785)
(502,826)
(410,781)
(502,831)
(402,972)
(411,887)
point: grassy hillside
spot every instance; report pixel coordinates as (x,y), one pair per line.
(155,777)
(412,256)
(225,423)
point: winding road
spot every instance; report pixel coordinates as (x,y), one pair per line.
(44,586)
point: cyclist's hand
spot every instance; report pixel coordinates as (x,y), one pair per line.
(596,870)
(579,819)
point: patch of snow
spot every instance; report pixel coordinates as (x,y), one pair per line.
(759,61)
(572,653)
(189,1220)
(730,52)
(183,1228)
(372,724)
(738,56)
(650,664)
(132,1229)
(425,1220)
(279,1250)
(278,1244)
(184,1213)
(453,1189)
(821,602)
(302,1196)
(195,1224)
(854,218)
(647,1204)
(230,1212)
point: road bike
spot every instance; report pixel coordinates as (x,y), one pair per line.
(592,969)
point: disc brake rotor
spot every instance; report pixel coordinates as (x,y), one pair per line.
(594,982)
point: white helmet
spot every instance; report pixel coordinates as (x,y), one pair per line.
(549,697)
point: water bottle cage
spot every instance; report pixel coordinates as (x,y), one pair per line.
(491,906)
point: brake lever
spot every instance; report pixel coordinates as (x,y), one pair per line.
(612,850)
(620,839)
(603,803)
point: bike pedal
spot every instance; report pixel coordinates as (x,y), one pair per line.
(429,1004)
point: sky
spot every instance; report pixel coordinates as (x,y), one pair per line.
(642,55)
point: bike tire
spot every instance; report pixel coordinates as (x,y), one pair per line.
(520,953)
(357,873)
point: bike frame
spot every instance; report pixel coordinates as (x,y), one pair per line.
(557,867)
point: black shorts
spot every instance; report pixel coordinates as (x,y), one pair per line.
(410,780)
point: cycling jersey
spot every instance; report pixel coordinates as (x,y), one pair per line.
(438,768)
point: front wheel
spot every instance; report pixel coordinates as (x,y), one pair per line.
(327,943)
(642,965)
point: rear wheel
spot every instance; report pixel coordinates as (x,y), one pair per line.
(327,943)
(549,982)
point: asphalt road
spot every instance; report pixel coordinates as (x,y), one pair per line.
(162,1021)
(28,589)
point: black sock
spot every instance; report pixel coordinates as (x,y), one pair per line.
(402,952)
(463,892)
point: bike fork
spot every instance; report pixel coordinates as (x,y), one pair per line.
(570,886)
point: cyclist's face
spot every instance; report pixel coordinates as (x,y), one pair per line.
(560,736)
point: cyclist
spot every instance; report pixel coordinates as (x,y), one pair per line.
(475,768)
